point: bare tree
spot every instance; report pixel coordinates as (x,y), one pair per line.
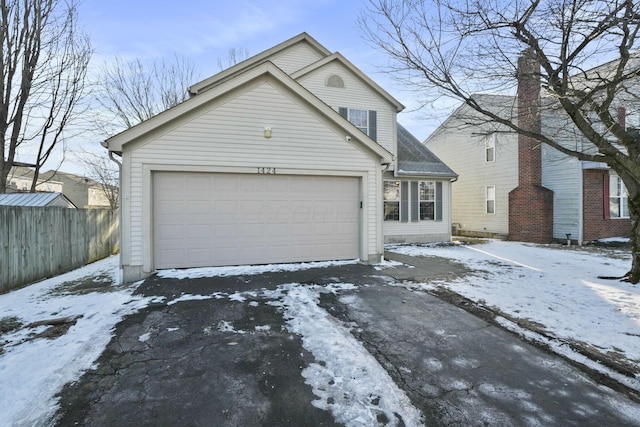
(234,56)
(585,48)
(132,92)
(43,63)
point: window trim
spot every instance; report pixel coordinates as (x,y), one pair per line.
(421,200)
(365,128)
(487,199)
(621,196)
(386,201)
(490,147)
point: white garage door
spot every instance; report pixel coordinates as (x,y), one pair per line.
(209,219)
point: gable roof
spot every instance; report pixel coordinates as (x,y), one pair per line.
(35,200)
(80,180)
(416,159)
(337,57)
(230,72)
(465,116)
(264,70)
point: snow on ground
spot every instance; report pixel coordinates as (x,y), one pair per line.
(348,380)
(246,270)
(32,371)
(554,287)
(557,288)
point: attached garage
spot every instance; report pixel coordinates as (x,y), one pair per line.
(256,169)
(214,219)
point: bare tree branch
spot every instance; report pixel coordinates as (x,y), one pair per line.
(589,68)
(132,92)
(43,64)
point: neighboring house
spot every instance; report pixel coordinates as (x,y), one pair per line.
(83,192)
(291,155)
(41,199)
(20,179)
(514,187)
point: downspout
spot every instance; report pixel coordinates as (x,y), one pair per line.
(581,204)
(116,161)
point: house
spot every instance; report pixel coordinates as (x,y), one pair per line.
(82,191)
(41,199)
(20,178)
(514,187)
(291,155)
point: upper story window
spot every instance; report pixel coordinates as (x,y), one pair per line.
(365,120)
(360,118)
(618,198)
(490,148)
(335,81)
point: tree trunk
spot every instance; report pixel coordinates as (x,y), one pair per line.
(634,213)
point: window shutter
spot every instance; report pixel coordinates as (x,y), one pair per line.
(606,208)
(415,202)
(404,201)
(343,112)
(438,201)
(373,125)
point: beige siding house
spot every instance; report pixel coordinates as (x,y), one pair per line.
(280,158)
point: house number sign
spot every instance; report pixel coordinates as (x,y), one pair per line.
(270,171)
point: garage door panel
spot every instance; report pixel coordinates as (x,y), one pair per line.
(208,219)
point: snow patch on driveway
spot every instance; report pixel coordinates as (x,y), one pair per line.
(347,379)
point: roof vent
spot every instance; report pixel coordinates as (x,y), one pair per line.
(335,81)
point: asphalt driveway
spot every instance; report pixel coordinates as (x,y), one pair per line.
(341,345)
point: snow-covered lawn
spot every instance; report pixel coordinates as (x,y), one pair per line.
(554,288)
(33,370)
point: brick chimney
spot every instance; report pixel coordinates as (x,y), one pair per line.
(530,204)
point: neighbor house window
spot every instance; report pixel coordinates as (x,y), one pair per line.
(490,197)
(490,148)
(392,200)
(618,198)
(427,192)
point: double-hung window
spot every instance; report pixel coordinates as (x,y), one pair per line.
(391,196)
(412,201)
(427,194)
(490,148)
(618,198)
(365,120)
(490,199)
(359,118)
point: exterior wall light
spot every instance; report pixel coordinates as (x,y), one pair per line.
(267,132)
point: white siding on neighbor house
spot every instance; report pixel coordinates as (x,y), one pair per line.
(227,136)
(426,231)
(563,175)
(296,57)
(355,94)
(464,152)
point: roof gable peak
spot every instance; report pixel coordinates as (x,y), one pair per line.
(251,62)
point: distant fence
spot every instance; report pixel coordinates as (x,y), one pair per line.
(36,243)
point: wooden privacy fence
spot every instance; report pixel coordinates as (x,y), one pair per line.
(36,242)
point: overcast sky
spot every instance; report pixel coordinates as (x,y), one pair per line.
(205,30)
